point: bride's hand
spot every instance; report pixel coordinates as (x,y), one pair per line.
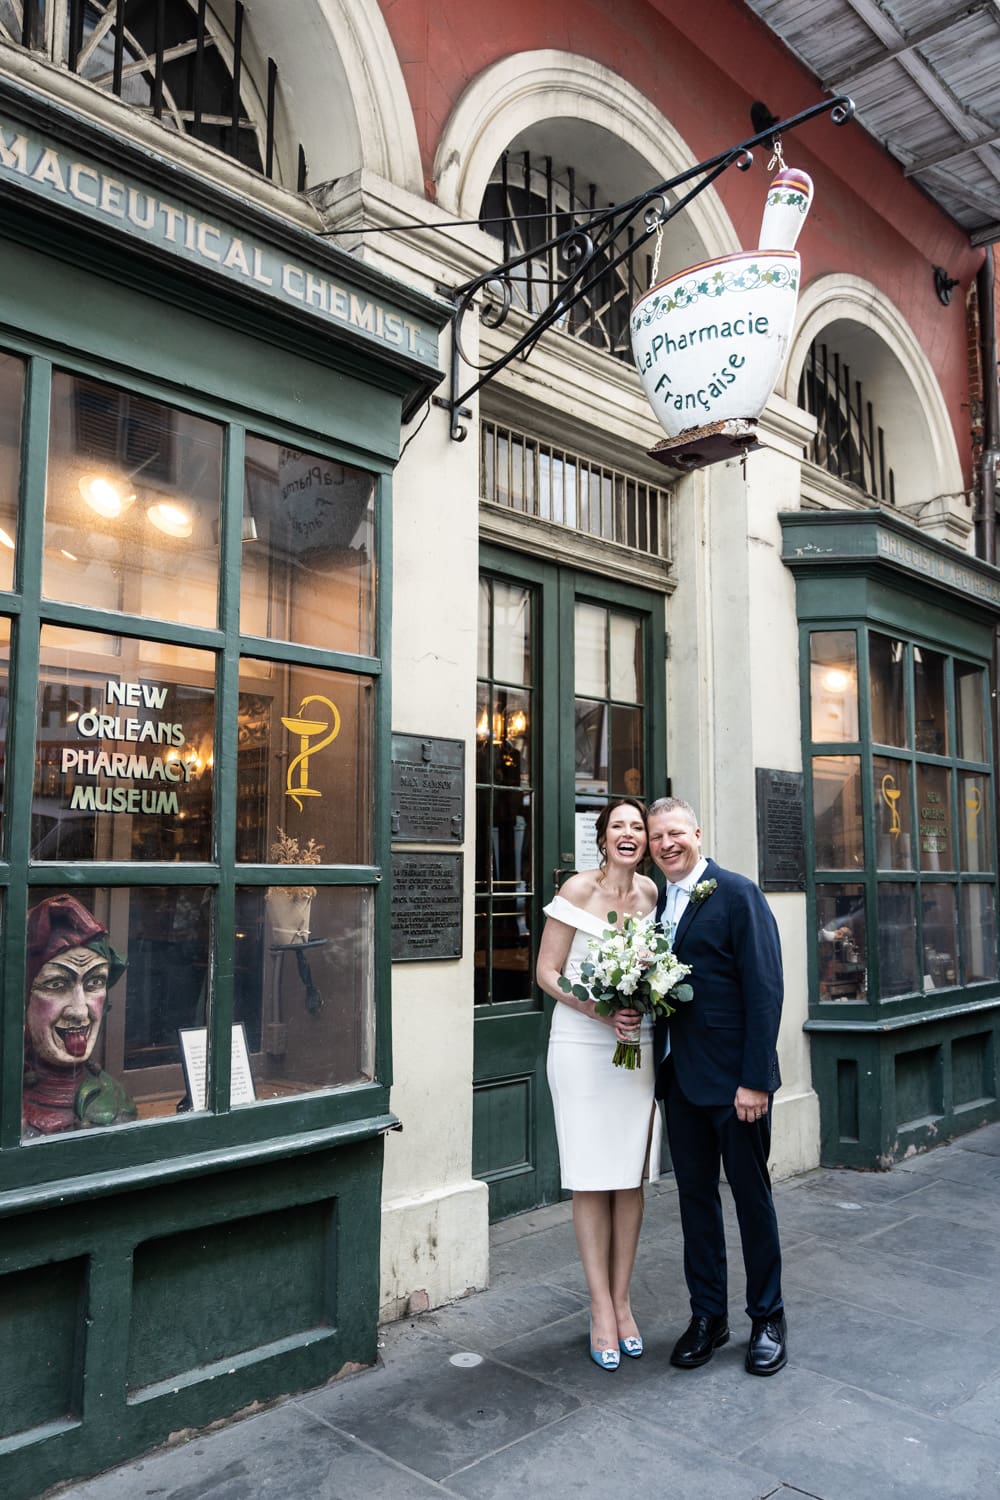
(627,1023)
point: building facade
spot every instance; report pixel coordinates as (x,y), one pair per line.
(309,706)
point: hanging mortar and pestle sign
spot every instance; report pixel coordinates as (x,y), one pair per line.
(710,342)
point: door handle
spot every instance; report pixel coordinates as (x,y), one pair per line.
(559,872)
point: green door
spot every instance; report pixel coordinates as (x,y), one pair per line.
(569,712)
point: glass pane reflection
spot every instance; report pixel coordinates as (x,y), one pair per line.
(512,646)
(969,686)
(124,757)
(886,663)
(974,822)
(626,750)
(591,747)
(930,708)
(897,940)
(979,933)
(837,812)
(626,658)
(940,935)
(132,504)
(90,1063)
(893,814)
(4,706)
(305,764)
(304,986)
(937,849)
(11,405)
(308,553)
(590,651)
(842,942)
(833,685)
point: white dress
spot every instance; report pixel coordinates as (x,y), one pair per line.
(602,1113)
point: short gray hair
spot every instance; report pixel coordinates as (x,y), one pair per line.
(672,804)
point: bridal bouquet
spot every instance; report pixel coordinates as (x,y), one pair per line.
(631,968)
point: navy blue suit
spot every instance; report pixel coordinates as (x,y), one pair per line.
(724,1038)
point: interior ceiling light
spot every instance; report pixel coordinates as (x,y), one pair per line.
(110,498)
(836,680)
(172,520)
(6,540)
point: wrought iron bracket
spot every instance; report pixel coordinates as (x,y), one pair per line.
(587,250)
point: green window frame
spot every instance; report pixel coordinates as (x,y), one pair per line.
(338,1111)
(900,819)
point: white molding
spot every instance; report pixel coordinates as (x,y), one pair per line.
(841,297)
(386,127)
(520,90)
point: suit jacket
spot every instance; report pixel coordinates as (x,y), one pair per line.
(727,1035)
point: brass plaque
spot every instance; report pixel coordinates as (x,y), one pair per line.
(428,790)
(781,855)
(426,906)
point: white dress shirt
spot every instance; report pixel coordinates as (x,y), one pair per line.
(679,893)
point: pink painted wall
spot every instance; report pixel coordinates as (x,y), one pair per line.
(702,66)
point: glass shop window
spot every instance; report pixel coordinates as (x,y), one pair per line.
(305,771)
(124,762)
(303,959)
(308,559)
(608,705)
(902,825)
(132,968)
(132,504)
(114,978)
(11,407)
(4,716)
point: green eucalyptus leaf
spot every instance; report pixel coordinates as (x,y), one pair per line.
(602,1008)
(682,992)
(564,984)
(580,992)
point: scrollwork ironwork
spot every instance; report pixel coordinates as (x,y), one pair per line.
(589,253)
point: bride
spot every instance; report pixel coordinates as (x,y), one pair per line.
(603,1113)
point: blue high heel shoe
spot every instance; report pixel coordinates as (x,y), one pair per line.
(604,1359)
(631,1346)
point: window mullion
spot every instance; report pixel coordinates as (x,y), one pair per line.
(20,771)
(220,1020)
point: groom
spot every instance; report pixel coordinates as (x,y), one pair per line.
(718,1081)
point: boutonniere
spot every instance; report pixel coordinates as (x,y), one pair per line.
(702,891)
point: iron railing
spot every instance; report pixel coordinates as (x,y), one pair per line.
(848,441)
(169,59)
(529,205)
(536,479)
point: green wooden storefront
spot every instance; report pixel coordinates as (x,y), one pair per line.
(896,643)
(162,1272)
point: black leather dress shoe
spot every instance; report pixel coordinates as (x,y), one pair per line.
(767,1352)
(699,1342)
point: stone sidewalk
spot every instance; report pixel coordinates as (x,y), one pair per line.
(892,1391)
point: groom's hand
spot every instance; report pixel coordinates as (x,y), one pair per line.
(751,1105)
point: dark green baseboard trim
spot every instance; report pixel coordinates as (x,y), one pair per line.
(886,1092)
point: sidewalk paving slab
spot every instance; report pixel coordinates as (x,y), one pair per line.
(892,1391)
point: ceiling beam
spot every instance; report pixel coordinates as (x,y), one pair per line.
(952,153)
(915,39)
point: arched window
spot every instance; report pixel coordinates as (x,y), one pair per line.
(530,202)
(555,174)
(170,59)
(849,441)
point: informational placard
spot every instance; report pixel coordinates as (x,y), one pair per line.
(426,906)
(194,1054)
(587,855)
(781,855)
(428,790)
